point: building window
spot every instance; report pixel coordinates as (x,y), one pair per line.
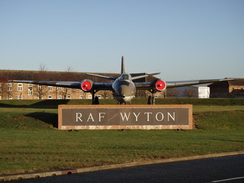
(39,88)
(80,97)
(59,88)
(59,97)
(89,97)
(50,88)
(10,86)
(20,97)
(30,89)
(10,97)
(50,97)
(20,87)
(40,97)
(68,97)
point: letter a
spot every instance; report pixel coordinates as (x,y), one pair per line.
(90,117)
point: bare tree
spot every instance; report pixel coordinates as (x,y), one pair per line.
(190,92)
(39,90)
(69,69)
(105,94)
(161,94)
(42,67)
(141,93)
(173,92)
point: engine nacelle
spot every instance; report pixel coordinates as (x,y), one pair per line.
(86,85)
(160,85)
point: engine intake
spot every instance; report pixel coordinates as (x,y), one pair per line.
(160,85)
(86,85)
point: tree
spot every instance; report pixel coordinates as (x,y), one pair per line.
(190,92)
(173,92)
(42,75)
(105,94)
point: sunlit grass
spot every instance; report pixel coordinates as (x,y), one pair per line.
(36,150)
(30,142)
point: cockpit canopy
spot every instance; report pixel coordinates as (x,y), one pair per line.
(125,77)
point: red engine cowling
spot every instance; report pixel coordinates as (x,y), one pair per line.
(86,85)
(160,85)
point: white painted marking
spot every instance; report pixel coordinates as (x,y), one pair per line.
(230,179)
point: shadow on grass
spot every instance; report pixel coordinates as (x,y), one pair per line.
(229,140)
(48,118)
(47,104)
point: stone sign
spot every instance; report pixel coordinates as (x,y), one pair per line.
(125,117)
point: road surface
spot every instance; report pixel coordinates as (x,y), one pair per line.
(227,169)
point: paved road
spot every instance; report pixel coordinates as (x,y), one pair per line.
(228,169)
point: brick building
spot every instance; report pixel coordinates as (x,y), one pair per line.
(232,89)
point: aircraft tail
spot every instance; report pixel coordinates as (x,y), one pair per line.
(122,65)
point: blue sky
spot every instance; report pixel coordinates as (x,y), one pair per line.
(181,39)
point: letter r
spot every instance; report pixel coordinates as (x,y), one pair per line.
(78,117)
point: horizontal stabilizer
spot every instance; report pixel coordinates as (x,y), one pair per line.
(144,76)
(101,76)
(153,74)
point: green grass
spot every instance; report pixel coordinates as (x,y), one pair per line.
(37,150)
(220,120)
(30,142)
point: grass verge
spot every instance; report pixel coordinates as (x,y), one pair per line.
(29,142)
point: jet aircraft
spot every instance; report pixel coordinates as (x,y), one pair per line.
(123,88)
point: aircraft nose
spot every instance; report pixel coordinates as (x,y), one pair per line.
(124,91)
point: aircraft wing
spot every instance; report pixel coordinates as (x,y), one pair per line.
(172,84)
(67,84)
(160,85)
(157,85)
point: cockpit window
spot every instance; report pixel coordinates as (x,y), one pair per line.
(125,77)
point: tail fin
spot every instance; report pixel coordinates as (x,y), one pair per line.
(122,65)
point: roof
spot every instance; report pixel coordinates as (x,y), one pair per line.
(237,82)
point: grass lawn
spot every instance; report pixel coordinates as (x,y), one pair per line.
(29,142)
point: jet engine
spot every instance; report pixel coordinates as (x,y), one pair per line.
(86,85)
(160,85)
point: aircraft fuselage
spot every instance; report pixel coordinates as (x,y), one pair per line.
(124,89)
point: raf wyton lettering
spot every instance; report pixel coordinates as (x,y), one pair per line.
(126,117)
